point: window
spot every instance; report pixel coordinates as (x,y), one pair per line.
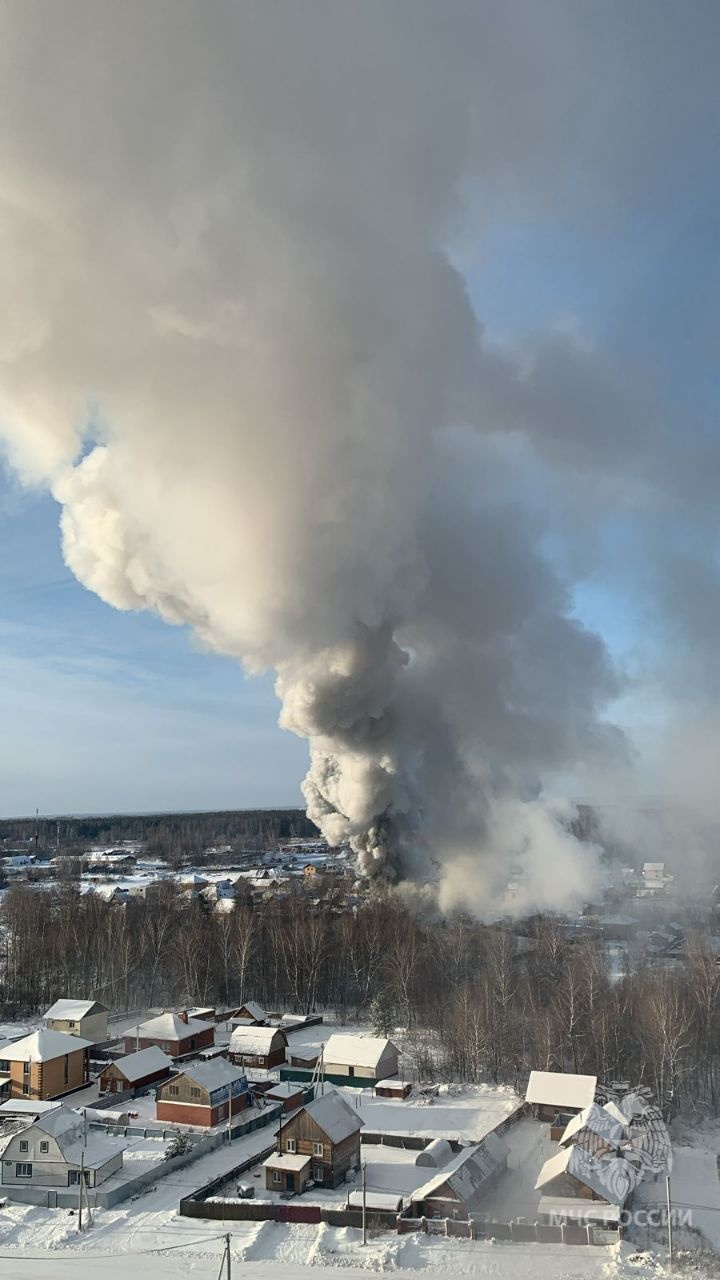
(71,1024)
(194,1092)
(74,1178)
(23,1145)
(222,1112)
(318,1149)
(290,1146)
(44,1148)
(174,1090)
(23,1170)
(276,1176)
(318,1173)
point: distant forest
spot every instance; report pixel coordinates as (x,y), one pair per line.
(191,832)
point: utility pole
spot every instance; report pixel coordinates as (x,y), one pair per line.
(229,1123)
(669,1217)
(227,1257)
(80,1189)
(364,1207)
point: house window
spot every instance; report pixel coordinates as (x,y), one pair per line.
(44,1148)
(26,1077)
(290,1146)
(194,1092)
(74,1178)
(318,1149)
(276,1176)
(24,1146)
(222,1112)
(174,1090)
(71,1024)
(318,1173)
(23,1170)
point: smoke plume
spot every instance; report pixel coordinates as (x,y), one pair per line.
(240,351)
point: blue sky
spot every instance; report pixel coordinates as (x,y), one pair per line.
(106,711)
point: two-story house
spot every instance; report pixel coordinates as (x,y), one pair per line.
(85,1018)
(202,1093)
(51,1151)
(323,1139)
(45,1064)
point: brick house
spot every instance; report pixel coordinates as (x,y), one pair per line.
(175,1033)
(46,1064)
(200,1094)
(258,1046)
(85,1018)
(135,1071)
(327,1131)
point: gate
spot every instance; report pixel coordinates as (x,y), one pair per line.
(299,1213)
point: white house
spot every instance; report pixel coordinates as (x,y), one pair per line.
(49,1153)
(361,1058)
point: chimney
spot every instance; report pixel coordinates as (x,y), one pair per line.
(183,1016)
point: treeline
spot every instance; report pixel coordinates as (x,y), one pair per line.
(472,1006)
(255,828)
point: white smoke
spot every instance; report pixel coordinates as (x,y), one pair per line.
(237,352)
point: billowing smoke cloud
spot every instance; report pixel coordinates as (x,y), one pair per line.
(237,351)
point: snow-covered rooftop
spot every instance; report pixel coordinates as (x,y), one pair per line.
(334,1116)
(213,1075)
(71,1009)
(135,1066)
(356,1051)
(169,1026)
(255,1040)
(560,1089)
(293,1163)
(43,1046)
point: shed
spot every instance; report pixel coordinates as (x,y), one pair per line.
(362,1058)
(291,1095)
(459,1190)
(393,1088)
(387,1201)
(551,1091)
(436,1155)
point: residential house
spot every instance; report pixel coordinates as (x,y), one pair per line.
(176,1033)
(552,1092)
(249,1014)
(326,1130)
(85,1018)
(599,1130)
(258,1046)
(45,1064)
(135,1071)
(50,1151)
(572,1174)
(201,1094)
(459,1190)
(361,1058)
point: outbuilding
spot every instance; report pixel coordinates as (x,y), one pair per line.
(135,1071)
(287,1173)
(364,1059)
(258,1046)
(551,1092)
(459,1190)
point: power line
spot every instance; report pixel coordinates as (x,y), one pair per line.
(90,1255)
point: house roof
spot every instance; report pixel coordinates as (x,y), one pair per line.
(334,1116)
(599,1121)
(612,1179)
(213,1075)
(26,1107)
(356,1051)
(560,1089)
(284,1160)
(169,1026)
(257,1040)
(43,1046)
(135,1066)
(469,1172)
(285,1089)
(74,1009)
(255,1010)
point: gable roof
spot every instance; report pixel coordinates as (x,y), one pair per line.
(599,1121)
(43,1046)
(212,1075)
(333,1115)
(560,1089)
(257,1040)
(356,1051)
(168,1026)
(254,1009)
(66,1126)
(135,1066)
(469,1172)
(74,1009)
(611,1179)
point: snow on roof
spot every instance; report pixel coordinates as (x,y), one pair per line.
(356,1051)
(376,1200)
(293,1163)
(334,1116)
(436,1154)
(560,1089)
(599,1175)
(26,1107)
(168,1026)
(135,1066)
(469,1172)
(213,1075)
(599,1121)
(74,1008)
(255,1010)
(257,1040)
(579,1210)
(43,1046)
(285,1089)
